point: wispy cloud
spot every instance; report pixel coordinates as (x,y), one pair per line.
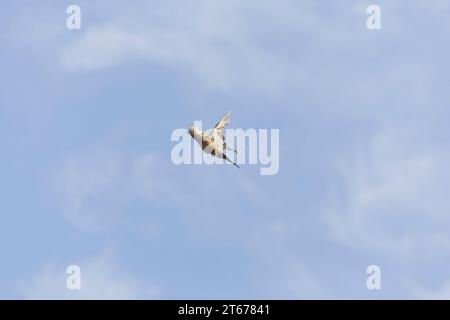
(393,198)
(216,43)
(95,190)
(420,292)
(101,278)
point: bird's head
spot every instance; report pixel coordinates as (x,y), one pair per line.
(194,131)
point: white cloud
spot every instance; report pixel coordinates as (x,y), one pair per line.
(105,47)
(285,49)
(216,42)
(100,279)
(394,196)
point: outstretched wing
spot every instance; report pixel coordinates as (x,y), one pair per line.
(217,131)
(223,122)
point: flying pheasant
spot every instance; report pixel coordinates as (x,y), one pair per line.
(214,142)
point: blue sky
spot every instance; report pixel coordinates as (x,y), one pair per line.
(86,176)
